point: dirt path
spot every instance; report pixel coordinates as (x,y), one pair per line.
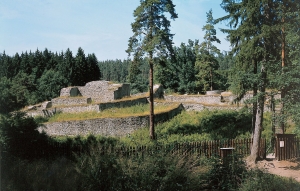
(289,168)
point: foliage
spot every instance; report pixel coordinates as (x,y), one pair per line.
(226,174)
(100,172)
(261,181)
(8,100)
(151,36)
(179,74)
(226,124)
(161,171)
(206,63)
(31,78)
(221,124)
(40,174)
(20,137)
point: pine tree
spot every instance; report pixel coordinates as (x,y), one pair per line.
(254,41)
(206,63)
(152,37)
(79,70)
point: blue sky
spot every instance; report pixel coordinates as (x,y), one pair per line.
(102,27)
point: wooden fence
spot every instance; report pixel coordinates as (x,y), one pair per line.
(287,147)
(204,148)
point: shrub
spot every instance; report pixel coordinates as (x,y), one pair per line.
(100,171)
(20,137)
(161,171)
(58,174)
(226,174)
(261,181)
(224,124)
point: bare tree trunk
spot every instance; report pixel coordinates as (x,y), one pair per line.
(151,117)
(273,120)
(283,90)
(254,108)
(259,118)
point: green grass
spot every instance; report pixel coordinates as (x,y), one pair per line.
(138,110)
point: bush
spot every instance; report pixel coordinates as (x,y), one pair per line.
(224,124)
(226,174)
(219,124)
(58,174)
(260,181)
(161,171)
(100,171)
(20,136)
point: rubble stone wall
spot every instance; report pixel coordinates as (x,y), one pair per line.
(208,99)
(105,126)
(70,101)
(123,103)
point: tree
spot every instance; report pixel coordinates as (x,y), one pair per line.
(179,74)
(206,62)
(8,100)
(78,77)
(254,42)
(93,71)
(20,136)
(152,37)
(50,84)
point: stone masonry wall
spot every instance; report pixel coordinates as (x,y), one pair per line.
(104,91)
(105,126)
(85,108)
(123,103)
(70,101)
(70,92)
(208,99)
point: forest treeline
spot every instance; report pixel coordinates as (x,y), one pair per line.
(30,78)
(177,75)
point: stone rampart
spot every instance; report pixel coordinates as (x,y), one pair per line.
(66,107)
(68,101)
(105,126)
(70,92)
(208,99)
(123,103)
(104,91)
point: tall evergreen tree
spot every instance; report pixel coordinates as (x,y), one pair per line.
(79,72)
(206,63)
(254,41)
(152,36)
(93,71)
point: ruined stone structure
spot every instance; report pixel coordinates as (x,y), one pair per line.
(106,126)
(98,91)
(100,95)
(94,96)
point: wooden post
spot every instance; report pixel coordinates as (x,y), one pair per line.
(226,153)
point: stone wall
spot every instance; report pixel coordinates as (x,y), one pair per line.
(105,126)
(121,91)
(225,98)
(104,91)
(68,108)
(68,101)
(207,99)
(123,103)
(70,92)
